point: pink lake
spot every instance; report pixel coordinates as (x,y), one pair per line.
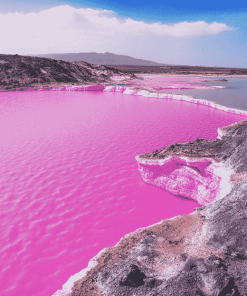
(69,181)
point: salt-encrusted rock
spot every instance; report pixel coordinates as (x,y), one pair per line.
(203,253)
(197,170)
(188,177)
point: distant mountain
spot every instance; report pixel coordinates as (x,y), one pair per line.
(106,58)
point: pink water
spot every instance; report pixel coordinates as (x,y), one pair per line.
(69,180)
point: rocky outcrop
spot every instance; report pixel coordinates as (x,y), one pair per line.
(197,170)
(28,71)
(203,253)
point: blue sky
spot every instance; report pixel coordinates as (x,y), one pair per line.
(173,32)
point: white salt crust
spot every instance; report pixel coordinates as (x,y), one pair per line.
(148,93)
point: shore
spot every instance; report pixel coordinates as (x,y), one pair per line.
(18,72)
(200,252)
(187,245)
(137,90)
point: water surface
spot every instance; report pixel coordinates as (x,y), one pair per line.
(234,95)
(69,181)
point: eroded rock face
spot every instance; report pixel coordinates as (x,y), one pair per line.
(203,253)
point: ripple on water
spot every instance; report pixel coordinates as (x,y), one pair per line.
(69,180)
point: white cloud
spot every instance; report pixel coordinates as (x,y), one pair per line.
(66,29)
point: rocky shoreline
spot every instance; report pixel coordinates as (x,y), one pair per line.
(203,253)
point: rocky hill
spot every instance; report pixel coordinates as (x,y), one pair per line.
(28,71)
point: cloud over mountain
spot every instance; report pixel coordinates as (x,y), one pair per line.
(67,29)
